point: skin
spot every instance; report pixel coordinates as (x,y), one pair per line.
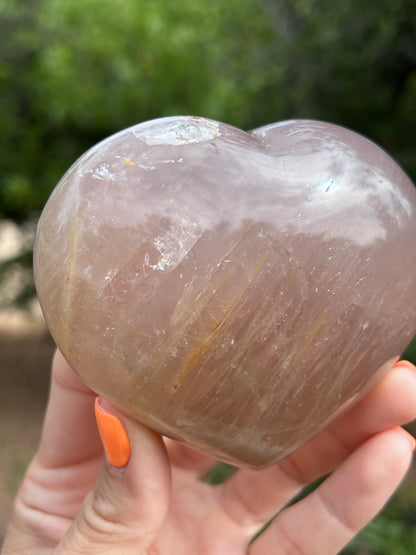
(72,502)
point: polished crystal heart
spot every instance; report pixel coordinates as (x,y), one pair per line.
(231,290)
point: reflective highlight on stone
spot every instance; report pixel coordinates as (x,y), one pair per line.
(232,290)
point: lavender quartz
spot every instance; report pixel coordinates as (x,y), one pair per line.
(231,290)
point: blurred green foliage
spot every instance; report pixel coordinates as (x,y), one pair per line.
(72,73)
(393,532)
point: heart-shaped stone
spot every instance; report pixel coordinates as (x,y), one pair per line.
(231,290)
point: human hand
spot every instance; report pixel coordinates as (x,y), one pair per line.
(158,503)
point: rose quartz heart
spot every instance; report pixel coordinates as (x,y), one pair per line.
(231,290)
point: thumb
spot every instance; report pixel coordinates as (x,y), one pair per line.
(129,502)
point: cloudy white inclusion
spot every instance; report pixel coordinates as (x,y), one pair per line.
(174,244)
(182,131)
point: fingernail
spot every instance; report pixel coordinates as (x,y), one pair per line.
(113,435)
(405,363)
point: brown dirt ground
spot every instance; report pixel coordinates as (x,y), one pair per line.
(25,355)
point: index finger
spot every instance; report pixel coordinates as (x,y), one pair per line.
(70,432)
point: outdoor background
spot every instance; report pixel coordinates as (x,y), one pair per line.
(74,72)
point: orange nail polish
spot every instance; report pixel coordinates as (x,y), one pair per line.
(405,363)
(113,435)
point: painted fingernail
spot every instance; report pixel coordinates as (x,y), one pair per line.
(405,363)
(113,435)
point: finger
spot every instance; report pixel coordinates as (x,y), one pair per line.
(251,497)
(396,391)
(70,432)
(392,402)
(186,458)
(65,467)
(125,509)
(391,391)
(326,520)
